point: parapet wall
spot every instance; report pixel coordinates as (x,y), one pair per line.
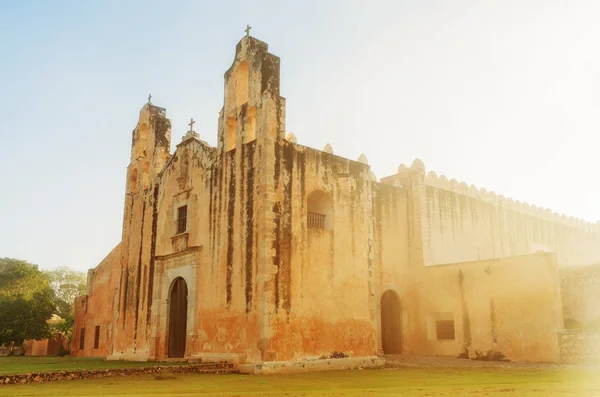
(463,223)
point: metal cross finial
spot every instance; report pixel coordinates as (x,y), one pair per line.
(191,124)
(149,98)
(248,27)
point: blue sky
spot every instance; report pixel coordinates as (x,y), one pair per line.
(501,94)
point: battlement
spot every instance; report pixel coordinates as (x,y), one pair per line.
(442,182)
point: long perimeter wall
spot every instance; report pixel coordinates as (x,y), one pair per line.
(462,223)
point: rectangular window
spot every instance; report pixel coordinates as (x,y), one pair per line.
(182,219)
(97,337)
(444,329)
(81,338)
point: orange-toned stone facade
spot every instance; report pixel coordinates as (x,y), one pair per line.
(292,253)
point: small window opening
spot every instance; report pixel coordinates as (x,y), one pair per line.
(444,329)
(81,338)
(97,337)
(319,211)
(182,219)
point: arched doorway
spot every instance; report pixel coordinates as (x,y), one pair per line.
(177,318)
(391,325)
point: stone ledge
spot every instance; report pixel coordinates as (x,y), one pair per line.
(234,358)
(41,377)
(331,364)
(128,357)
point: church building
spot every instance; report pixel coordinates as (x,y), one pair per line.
(261,250)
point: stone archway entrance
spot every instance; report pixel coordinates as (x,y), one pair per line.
(391,323)
(178,318)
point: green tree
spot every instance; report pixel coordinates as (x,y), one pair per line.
(26,302)
(67,285)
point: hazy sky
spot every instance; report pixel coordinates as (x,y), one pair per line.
(500,94)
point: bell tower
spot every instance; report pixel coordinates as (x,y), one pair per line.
(150,145)
(252,107)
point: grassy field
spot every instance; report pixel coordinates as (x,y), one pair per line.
(19,365)
(490,382)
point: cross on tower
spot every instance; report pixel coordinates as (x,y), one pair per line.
(248,27)
(191,124)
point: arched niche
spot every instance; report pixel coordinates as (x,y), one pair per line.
(242,75)
(319,210)
(142,137)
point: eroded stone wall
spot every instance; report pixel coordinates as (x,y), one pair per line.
(319,293)
(96,309)
(578,346)
(216,255)
(580,290)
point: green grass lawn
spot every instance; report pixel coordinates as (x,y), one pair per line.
(490,382)
(22,364)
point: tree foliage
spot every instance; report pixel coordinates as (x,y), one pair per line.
(29,297)
(25,318)
(67,285)
(26,302)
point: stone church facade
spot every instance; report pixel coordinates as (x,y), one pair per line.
(263,250)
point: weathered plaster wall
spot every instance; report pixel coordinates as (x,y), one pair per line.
(216,255)
(131,302)
(96,308)
(511,305)
(466,224)
(580,290)
(225,190)
(398,254)
(321,297)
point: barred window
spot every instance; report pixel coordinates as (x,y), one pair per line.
(319,211)
(97,337)
(444,329)
(182,219)
(81,338)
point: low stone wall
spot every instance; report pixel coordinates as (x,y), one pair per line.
(580,292)
(579,347)
(16,351)
(213,368)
